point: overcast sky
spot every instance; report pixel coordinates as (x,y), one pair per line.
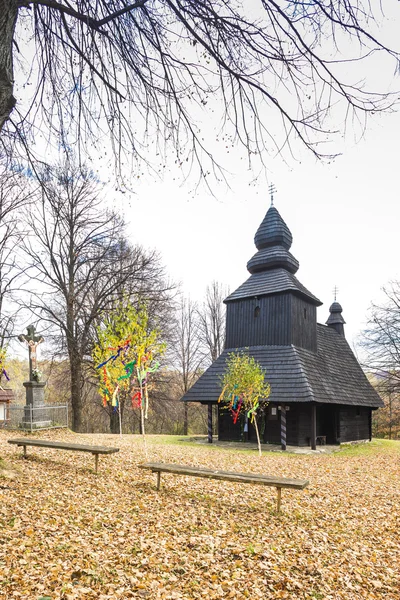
(344,218)
(343,215)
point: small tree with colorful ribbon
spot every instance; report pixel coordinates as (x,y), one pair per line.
(125,355)
(244,390)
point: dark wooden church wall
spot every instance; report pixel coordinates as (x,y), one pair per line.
(303,413)
(258,322)
(354,423)
(272,430)
(228,431)
(304,324)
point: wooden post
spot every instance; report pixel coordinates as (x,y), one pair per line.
(283,428)
(278,501)
(210,423)
(158,480)
(370,424)
(313,426)
(96,462)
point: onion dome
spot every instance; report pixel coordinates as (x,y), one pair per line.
(335,319)
(273,231)
(272,267)
(273,240)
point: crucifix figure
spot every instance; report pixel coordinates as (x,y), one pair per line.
(33,342)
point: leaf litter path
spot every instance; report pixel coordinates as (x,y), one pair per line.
(66,533)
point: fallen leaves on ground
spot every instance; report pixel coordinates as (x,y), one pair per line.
(68,534)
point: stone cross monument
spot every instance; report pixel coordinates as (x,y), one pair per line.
(33,342)
(35,413)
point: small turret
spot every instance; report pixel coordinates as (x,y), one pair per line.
(335,319)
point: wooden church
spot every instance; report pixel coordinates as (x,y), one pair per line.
(319,393)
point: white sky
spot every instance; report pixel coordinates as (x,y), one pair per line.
(344,218)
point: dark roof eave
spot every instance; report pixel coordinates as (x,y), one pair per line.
(311,299)
(296,375)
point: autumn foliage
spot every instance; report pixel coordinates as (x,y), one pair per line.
(68,534)
(244,390)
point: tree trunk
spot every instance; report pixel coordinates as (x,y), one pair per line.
(114,421)
(76,392)
(8,19)
(185,419)
(114,418)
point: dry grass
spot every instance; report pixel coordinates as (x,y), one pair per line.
(66,533)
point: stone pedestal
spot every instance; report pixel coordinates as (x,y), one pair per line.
(35,413)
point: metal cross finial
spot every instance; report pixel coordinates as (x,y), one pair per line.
(272,190)
(335,291)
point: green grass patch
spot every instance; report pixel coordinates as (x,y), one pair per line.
(369,448)
(200,442)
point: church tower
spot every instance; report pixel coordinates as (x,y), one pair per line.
(319,393)
(272,308)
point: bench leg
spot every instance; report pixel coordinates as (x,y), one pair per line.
(96,463)
(158,480)
(278,501)
(25,455)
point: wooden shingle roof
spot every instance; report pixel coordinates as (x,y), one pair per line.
(273,231)
(332,375)
(271,282)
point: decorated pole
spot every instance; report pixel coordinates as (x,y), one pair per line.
(210,423)
(283,427)
(142,411)
(120,417)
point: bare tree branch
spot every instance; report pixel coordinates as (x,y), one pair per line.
(146,74)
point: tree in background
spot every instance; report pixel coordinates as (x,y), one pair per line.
(15,194)
(187,354)
(212,320)
(386,420)
(100,66)
(124,357)
(80,264)
(244,390)
(381,341)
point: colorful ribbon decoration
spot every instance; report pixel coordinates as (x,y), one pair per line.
(138,398)
(141,396)
(235,410)
(124,347)
(128,370)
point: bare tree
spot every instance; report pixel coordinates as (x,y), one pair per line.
(212,320)
(186,353)
(381,341)
(76,273)
(101,66)
(14,195)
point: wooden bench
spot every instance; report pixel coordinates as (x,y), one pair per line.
(277,482)
(96,450)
